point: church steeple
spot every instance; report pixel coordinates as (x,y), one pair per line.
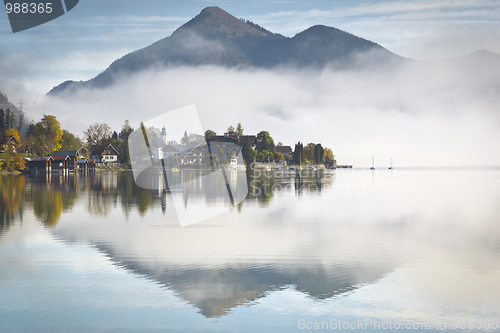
(164,135)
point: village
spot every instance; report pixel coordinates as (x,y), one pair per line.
(46,148)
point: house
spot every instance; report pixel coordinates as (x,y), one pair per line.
(252,138)
(73,154)
(109,155)
(42,164)
(284,150)
(6,141)
(83,152)
(61,162)
(228,145)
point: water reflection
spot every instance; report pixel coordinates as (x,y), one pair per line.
(396,246)
(11,199)
(51,196)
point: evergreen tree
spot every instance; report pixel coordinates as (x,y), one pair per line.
(239,129)
(298,153)
(319,154)
(248,153)
(2,121)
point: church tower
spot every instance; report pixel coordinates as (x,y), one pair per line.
(163,135)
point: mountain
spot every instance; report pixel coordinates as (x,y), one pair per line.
(215,37)
(5,104)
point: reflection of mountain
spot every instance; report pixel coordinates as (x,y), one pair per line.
(217,290)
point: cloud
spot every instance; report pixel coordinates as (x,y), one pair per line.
(403,27)
(425,113)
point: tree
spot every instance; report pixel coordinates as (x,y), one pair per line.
(124,156)
(12,160)
(20,124)
(319,154)
(248,153)
(209,134)
(298,153)
(7,119)
(2,121)
(278,156)
(309,152)
(12,132)
(239,129)
(265,142)
(231,131)
(97,136)
(70,141)
(126,130)
(47,135)
(196,138)
(329,154)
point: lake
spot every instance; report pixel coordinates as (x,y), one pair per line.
(348,250)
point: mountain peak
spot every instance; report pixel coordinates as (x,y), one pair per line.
(215,19)
(215,11)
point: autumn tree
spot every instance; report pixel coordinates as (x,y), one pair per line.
(47,135)
(12,132)
(12,159)
(329,154)
(98,136)
(309,152)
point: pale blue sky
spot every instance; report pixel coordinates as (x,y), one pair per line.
(86,40)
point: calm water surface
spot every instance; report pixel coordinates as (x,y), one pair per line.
(352,250)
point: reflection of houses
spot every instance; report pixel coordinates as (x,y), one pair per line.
(6,141)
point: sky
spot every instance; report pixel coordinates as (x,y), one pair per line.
(85,41)
(82,43)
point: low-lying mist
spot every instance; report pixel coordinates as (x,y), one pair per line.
(420,113)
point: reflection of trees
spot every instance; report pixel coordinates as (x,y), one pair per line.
(107,189)
(50,197)
(262,185)
(48,206)
(11,197)
(131,195)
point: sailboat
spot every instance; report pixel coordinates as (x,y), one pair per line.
(373,164)
(390,168)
